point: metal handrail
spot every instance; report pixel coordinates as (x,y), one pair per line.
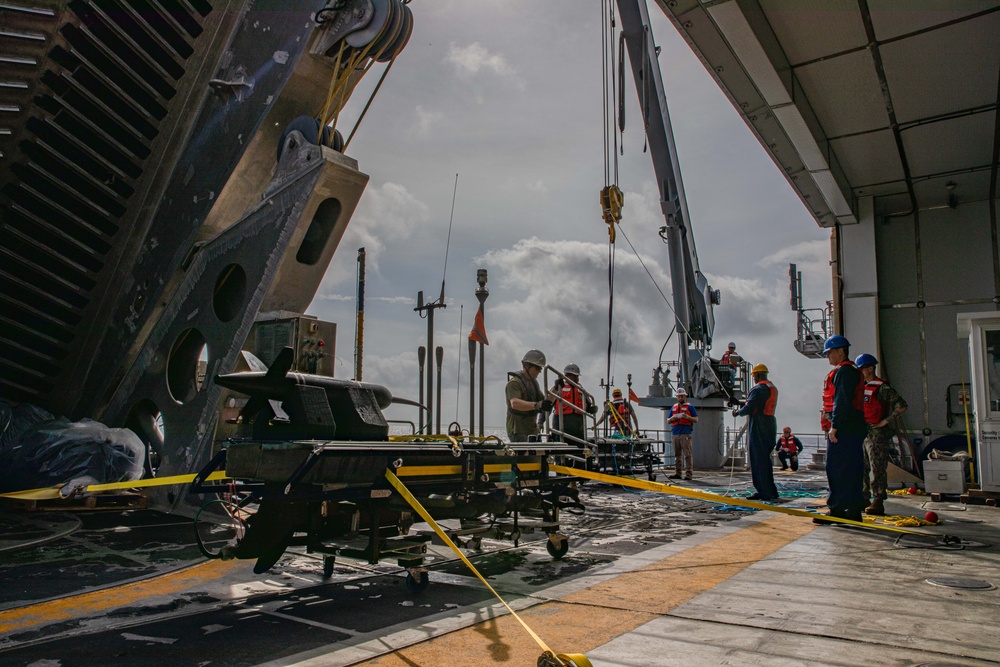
(558,400)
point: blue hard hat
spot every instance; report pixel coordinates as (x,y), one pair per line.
(865,360)
(834,342)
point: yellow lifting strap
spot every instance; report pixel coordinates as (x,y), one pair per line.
(685,492)
(52,492)
(548,657)
(612,201)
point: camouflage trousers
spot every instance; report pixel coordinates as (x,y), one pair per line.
(876,463)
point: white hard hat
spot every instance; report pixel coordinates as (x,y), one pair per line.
(681,391)
(534,357)
(732,345)
(571,369)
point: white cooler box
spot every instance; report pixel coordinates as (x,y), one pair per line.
(944,477)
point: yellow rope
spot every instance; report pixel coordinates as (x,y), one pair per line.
(567,660)
(685,492)
(901,521)
(52,493)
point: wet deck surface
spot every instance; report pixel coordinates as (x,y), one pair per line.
(154,600)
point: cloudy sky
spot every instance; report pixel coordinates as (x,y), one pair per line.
(508,95)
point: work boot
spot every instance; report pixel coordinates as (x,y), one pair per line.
(676,475)
(876,508)
(688,476)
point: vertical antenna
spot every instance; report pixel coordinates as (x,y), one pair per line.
(447,244)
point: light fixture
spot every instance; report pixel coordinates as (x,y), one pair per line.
(952,199)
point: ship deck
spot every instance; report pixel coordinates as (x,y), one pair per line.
(649,580)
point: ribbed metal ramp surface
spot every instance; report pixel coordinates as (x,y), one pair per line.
(84,90)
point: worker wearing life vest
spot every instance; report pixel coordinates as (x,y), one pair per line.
(619,413)
(882,404)
(827,410)
(788,448)
(573,402)
(763,428)
(730,357)
(525,400)
(730,360)
(845,439)
(682,418)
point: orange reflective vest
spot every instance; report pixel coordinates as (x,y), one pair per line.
(684,412)
(772,400)
(874,407)
(828,392)
(788,444)
(620,419)
(572,396)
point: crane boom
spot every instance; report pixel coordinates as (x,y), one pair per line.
(692,295)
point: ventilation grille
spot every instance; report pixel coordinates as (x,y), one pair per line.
(83,93)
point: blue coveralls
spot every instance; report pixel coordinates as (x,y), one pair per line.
(845,464)
(763,432)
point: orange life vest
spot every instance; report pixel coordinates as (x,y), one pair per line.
(572,396)
(772,400)
(788,444)
(828,391)
(684,412)
(875,409)
(622,412)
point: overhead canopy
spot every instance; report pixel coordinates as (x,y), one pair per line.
(856,98)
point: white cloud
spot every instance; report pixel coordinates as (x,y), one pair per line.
(405,300)
(538,186)
(748,305)
(424,121)
(563,287)
(386,213)
(469,61)
(807,255)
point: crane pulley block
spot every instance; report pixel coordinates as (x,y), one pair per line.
(612,201)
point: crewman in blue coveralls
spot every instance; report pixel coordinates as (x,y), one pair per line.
(845,467)
(763,428)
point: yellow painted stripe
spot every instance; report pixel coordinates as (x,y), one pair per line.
(429,471)
(592,617)
(75,606)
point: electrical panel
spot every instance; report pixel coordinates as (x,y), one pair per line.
(313,340)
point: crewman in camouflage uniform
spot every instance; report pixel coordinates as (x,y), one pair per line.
(525,400)
(882,405)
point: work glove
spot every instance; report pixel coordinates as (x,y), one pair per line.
(735,411)
(559,383)
(546,405)
(591,409)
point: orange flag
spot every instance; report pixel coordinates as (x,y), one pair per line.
(631,396)
(478,332)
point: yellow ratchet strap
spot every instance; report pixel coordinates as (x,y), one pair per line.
(52,492)
(685,492)
(563,659)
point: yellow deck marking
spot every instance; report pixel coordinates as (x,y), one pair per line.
(86,604)
(594,616)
